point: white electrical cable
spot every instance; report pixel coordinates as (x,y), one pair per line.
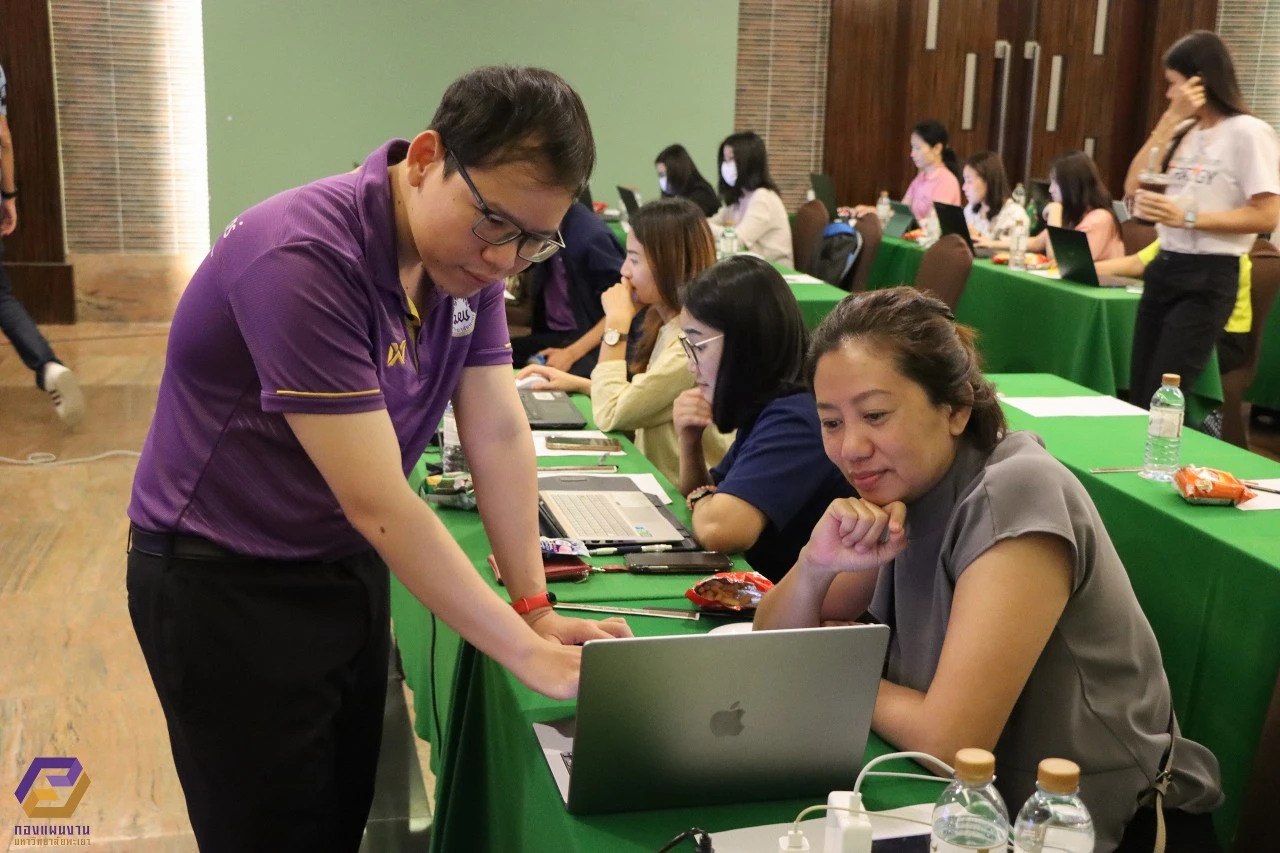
(48,460)
(795,827)
(919,756)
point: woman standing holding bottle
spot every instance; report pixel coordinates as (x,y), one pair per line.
(1223,189)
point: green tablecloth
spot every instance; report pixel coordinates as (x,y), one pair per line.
(1208,578)
(1030,324)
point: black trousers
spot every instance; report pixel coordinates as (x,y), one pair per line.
(273,677)
(1186,301)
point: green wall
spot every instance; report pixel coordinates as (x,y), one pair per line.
(298,90)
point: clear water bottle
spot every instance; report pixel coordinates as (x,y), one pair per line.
(884,208)
(1018,247)
(728,242)
(970,815)
(1054,818)
(1164,429)
(1020,196)
(932,229)
(451,457)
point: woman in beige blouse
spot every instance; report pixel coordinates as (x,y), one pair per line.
(670,243)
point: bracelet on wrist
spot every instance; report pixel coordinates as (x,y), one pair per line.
(8,196)
(697,495)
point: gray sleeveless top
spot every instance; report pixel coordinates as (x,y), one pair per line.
(1098,695)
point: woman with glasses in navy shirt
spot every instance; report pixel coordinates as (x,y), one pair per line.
(746,339)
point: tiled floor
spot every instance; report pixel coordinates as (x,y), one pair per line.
(72,679)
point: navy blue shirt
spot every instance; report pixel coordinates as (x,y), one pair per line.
(777,465)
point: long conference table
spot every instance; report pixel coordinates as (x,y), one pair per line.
(1208,579)
(1031,324)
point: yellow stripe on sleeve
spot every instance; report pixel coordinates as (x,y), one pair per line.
(284,393)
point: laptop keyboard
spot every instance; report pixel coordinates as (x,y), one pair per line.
(567,758)
(592,516)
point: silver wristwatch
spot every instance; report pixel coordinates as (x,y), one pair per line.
(612,336)
(1189,220)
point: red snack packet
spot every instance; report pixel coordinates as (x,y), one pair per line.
(1210,486)
(730,591)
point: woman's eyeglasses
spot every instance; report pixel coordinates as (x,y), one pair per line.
(691,349)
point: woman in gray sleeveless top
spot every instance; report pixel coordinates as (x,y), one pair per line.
(1015,627)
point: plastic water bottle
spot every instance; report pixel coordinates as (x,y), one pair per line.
(932,229)
(1164,429)
(1020,196)
(1054,818)
(728,242)
(451,457)
(970,814)
(1018,247)
(884,208)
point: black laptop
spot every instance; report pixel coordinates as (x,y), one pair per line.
(902,220)
(629,201)
(551,410)
(951,221)
(1075,260)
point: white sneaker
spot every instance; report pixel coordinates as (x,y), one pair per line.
(64,389)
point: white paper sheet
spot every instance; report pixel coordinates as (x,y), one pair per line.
(647,482)
(540,443)
(1100,406)
(1264,500)
(801,278)
(764,839)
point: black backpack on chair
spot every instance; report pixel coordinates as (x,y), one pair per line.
(837,251)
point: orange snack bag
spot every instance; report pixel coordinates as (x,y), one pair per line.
(1210,486)
(729,591)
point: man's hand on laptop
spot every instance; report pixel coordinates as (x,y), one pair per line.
(574,632)
(553,379)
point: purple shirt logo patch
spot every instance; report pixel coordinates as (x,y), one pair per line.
(464,318)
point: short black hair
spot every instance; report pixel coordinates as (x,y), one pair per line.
(501,114)
(752,161)
(765,338)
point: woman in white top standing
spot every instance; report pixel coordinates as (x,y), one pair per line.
(668,245)
(989,209)
(751,201)
(1223,189)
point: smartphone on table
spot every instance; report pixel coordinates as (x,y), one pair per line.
(587,444)
(678,563)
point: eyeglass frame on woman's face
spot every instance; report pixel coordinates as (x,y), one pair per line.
(691,348)
(548,245)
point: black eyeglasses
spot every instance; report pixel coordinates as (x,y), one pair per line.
(691,349)
(496,230)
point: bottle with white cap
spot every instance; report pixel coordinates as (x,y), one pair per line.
(1054,817)
(971,815)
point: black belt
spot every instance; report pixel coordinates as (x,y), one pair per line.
(178,545)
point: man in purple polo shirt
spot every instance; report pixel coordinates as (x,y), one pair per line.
(309,362)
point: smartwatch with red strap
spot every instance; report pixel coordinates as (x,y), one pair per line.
(533,602)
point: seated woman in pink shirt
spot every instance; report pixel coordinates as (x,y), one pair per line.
(938,178)
(1080,201)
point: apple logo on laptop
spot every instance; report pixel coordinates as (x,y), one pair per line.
(728,723)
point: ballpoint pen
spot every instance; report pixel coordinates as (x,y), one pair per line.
(661,612)
(629,549)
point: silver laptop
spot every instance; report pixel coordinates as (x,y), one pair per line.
(605,511)
(717,718)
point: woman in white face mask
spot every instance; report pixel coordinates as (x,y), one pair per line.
(752,205)
(678,177)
